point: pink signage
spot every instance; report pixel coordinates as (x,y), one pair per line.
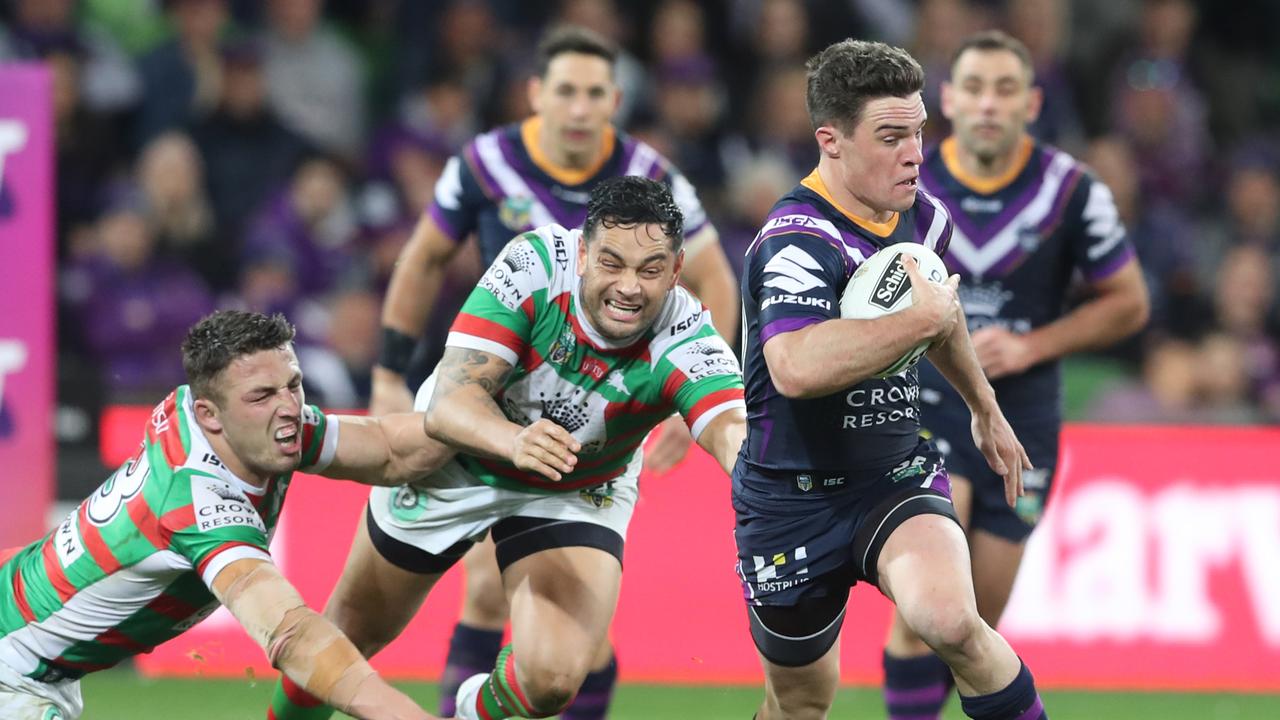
(26,302)
(1157,566)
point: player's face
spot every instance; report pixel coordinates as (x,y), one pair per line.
(626,274)
(260,412)
(878,163)
(989,101)
(575,100)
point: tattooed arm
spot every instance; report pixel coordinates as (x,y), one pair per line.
(464,414)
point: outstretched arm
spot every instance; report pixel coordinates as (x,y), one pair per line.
(463,414)
(305,646)
(390,450)
(723,437)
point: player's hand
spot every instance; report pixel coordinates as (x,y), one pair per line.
(1004,454)
(547,449)
(1001,352)
(389,394)
(670,447)
(938,303)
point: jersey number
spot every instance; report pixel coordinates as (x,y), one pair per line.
(122,486)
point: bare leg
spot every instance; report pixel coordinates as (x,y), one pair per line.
(924,569)
(800,693)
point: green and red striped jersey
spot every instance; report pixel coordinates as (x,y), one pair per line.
(131,566)
(527,311)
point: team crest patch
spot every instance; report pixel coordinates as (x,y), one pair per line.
(515,212)
(407,505)
(564,346)
(804,482)
(600,496)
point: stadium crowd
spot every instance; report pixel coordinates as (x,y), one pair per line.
(274,156)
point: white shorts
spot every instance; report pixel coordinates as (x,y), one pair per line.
(453,506)
(457,507)
(22,698)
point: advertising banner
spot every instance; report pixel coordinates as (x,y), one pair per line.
(26,302)
(1156,566)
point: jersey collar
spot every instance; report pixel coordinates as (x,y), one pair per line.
(568,177)
(884,229)
(950,151)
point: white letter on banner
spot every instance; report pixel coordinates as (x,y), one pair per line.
(1105,582)
(1192,529)
(1256,514)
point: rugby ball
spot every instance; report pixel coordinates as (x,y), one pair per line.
(880,286)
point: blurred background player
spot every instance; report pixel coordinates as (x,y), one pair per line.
(1028,217)
(183,527)
(514,179)
(575,344)
(834,484)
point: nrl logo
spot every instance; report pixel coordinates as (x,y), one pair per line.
(804,482)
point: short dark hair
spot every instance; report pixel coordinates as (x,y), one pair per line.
(845,76)
(631,200)
(218,339)
(573,39)
(993,40)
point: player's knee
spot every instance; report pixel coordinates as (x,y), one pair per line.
(950,628)
(550,690)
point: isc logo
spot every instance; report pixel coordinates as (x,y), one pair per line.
(891,286)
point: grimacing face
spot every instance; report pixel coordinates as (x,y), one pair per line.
(626,274)
(878,162)
(989,101)
(258,413)
(576,100)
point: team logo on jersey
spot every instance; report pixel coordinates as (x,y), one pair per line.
(804,482)
(789,271)
(52,713)
(515,212)
(564,347)
(616,381)
(984,299)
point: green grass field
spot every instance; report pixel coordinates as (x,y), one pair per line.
(122,695)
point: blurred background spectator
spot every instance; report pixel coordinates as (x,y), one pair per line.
(276,155)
